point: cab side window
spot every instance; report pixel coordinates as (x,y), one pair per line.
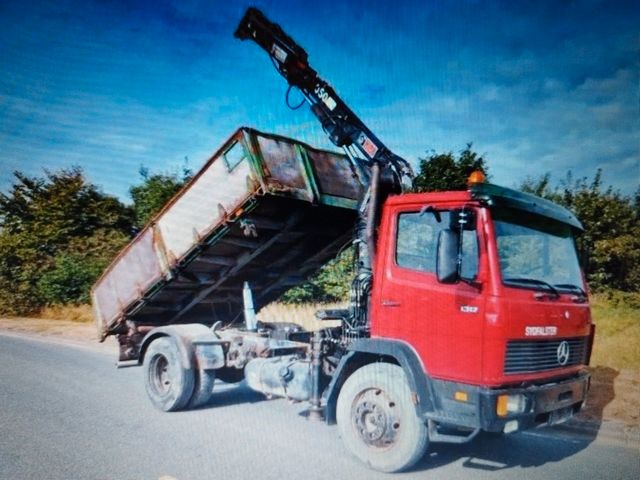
(417,239)
(417,242)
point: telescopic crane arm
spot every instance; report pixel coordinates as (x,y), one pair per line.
(389,172)
(343,127)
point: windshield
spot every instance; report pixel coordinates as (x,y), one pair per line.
(536,252)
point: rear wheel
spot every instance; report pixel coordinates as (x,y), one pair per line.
(377,419)
(168,382)
(203,388)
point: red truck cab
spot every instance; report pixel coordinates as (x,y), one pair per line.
(505,334)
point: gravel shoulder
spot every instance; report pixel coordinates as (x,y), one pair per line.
(79,334)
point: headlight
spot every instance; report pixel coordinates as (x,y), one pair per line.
(507,404)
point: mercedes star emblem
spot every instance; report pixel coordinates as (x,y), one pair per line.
(563,352)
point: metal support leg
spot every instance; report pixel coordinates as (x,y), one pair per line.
(315,408)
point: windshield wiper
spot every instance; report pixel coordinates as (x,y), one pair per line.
(535,281)
(575,288)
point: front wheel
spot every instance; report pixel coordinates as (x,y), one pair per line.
(168,382)
(377,419)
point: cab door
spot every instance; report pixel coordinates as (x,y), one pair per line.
(444,323)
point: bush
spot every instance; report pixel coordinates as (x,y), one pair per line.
(70,280)
(330,284)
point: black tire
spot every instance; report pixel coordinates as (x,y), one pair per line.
(377,419)
(231,374)
(168,382)
(203,388)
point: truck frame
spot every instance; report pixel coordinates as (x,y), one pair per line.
(468,310)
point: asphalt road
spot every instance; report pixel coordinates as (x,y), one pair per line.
(68,413)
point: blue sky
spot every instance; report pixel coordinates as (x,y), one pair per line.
(112,85)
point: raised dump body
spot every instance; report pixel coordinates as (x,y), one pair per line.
(264,209)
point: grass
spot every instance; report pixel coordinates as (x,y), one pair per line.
(302,314)
(74,313)
(617,342)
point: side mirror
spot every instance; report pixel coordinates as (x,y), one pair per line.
(447,266)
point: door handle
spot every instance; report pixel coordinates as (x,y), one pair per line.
(390,303)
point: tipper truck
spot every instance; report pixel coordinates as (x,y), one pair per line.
(468,309)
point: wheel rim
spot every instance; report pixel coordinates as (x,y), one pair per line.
(374,418)
(160,375)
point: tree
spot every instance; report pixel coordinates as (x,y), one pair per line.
(612,227)
(57,233)
(330,284)
(154,192)
(443,171)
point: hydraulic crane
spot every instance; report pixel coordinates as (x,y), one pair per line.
(390,173)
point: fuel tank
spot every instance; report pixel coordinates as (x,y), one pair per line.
(287,376)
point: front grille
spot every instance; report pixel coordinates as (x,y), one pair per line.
(530,356)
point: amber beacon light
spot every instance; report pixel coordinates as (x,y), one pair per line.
(476,176)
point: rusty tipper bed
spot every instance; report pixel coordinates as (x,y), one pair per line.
(264,209)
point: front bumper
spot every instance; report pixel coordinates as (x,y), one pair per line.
(545,404)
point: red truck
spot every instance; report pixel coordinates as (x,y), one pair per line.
(467,312)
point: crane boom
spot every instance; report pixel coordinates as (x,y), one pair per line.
(389,172)
(343,127)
